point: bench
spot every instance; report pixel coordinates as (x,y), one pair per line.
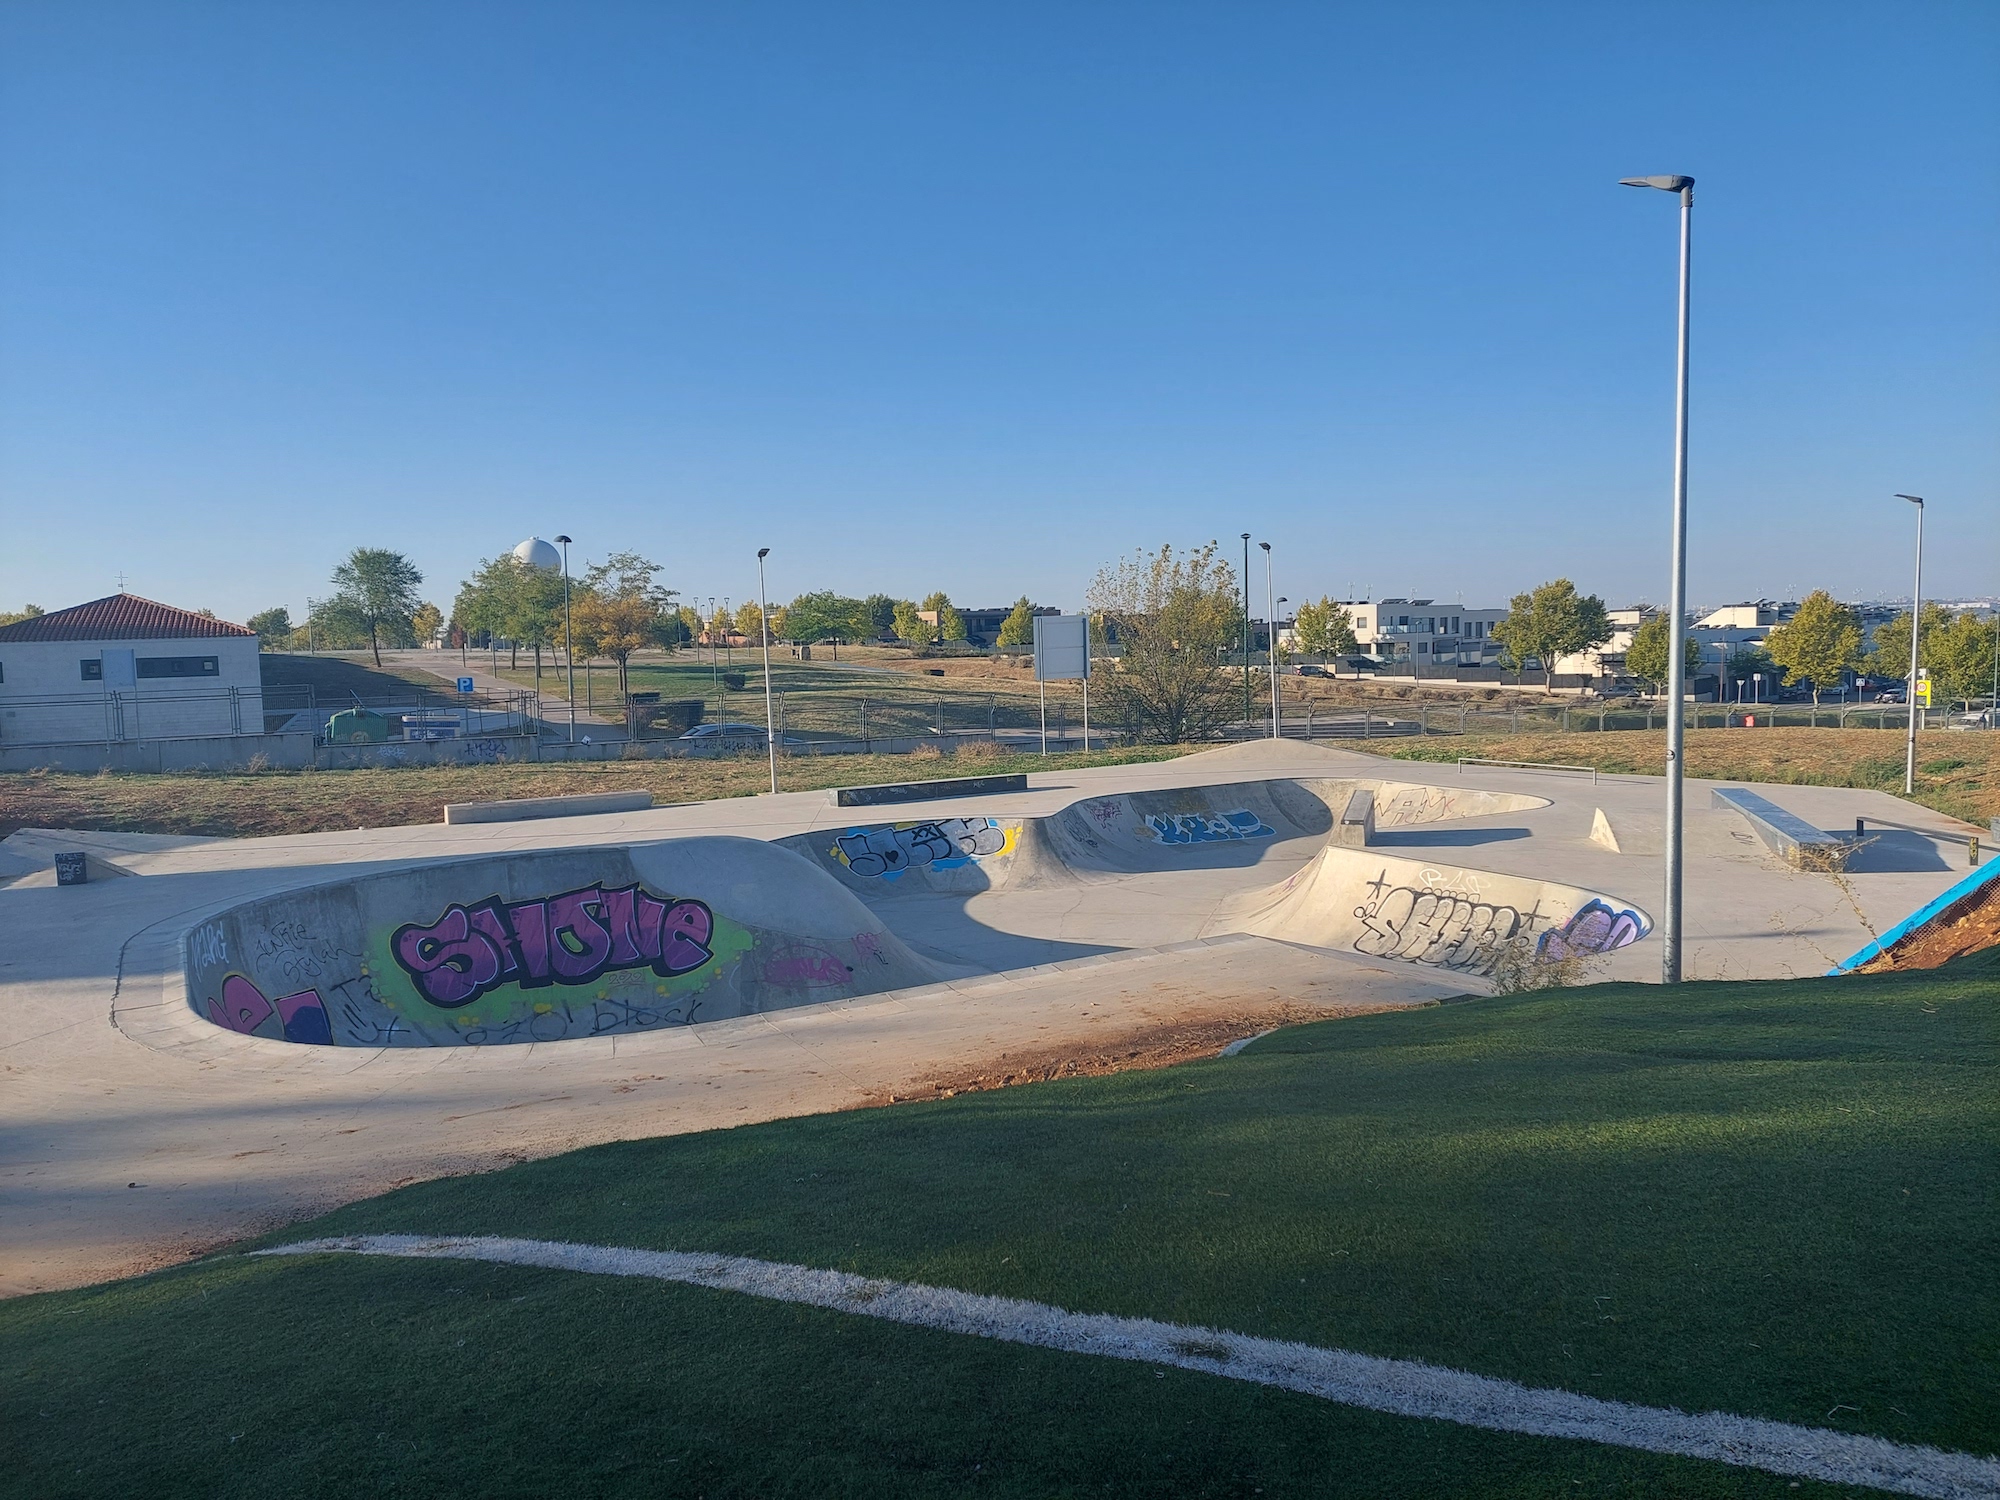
(1356,828)
(923,791)
(1786,835)
(547,807)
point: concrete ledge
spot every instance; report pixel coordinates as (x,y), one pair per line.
(1791,838)
(1356,828)
(923,791)
(547,807)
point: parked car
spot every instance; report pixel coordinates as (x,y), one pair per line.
(1308,669)
(735,734)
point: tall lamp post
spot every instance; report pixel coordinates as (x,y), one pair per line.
(1916,633)
(764,634)
(569,641)
(1271,636)
(1670,922)
(1246,631)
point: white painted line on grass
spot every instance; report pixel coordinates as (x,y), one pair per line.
(1401,1387)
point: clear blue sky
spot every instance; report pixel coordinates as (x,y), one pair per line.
(979,297)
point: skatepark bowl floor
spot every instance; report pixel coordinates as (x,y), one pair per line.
(1774,1200)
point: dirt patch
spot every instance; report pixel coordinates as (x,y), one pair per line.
(1156,1044)
(1968,926)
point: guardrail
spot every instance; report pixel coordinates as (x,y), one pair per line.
(1526,765)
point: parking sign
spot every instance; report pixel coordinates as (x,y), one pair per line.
(465,684)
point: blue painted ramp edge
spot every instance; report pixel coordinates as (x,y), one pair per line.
(1918,917)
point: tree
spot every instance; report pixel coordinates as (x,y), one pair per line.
(1018,629)
(1175,615)
(1960,657)
(273,627)
(826,616)
(690,621)
(620,610)
(908,624)
(946,624)
(427,623)
(880,611)
(1891,655)
(1323,629)
(1651,651)
(1554,621)
(379,588)
(26,612)
(1820,644)
(749,620)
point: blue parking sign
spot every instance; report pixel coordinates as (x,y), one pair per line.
(465,684)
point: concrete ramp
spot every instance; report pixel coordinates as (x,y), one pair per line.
(1441,916)
(543,946)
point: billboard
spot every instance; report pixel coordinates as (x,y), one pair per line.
(1062,648)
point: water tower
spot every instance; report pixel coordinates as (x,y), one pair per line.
(536,553)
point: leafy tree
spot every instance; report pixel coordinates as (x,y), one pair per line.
(1651,652)
(1175,615)
(948,626)
(426,623)
(273,627)
(1891,656)
(1553,621)
(379,588)
(721,625)
(1960,658)
(690,619)
(826,616)
(26,612)
(1018,629)
(880,611)
(1324,629)
(908,624)
(1819,644)
(620,610)
(749,620)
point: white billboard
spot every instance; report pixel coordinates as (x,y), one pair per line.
(1062,648)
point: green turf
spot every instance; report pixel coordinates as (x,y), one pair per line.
(1773,1199)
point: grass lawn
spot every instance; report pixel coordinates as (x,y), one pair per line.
(1958,771)
(1776,1199)
(249,803)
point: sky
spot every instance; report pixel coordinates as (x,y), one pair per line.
(981,298)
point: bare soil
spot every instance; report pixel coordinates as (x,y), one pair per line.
(1973,929)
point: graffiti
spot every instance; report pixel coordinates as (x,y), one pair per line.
(568,939)
(1414,804)
(480,752)
(804,965)
(1422,926)
(242,1007)
(868,948)
(871,852)
(1595,928)
(1199,828)
(290,949)
(208,946)
(1104,812)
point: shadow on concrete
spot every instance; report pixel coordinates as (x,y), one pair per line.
(1444,838)
(1892,851)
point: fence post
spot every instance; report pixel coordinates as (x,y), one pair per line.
(940,721)
(1517,718)
(1423,718)
(1565,718)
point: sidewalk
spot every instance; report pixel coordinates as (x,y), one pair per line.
(552,706)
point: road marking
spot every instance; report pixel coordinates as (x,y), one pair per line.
(1401,1387)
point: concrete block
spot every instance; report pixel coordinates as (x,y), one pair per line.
(1356,828)
(1791,838)
(924,791)
(1601,834)
(547,807)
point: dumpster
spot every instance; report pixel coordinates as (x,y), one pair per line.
(357,726)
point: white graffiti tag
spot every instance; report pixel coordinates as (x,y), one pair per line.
(1428,927)
(890,851)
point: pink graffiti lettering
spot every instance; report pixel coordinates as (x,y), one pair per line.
(568,939)
(242,1006)
(301,1016)
(804,966)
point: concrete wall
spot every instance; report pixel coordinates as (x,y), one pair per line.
(230,752)
(542,946)
(45,699)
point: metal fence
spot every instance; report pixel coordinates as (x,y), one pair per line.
(120,717)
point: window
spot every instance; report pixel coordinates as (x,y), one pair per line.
(93,669)
(176,666)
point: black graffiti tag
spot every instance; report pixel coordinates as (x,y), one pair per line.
(572,938)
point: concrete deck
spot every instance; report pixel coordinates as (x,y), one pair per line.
(137,1133)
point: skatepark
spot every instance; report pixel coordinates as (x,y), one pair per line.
(213,1037)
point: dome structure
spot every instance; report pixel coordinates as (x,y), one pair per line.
(536,553)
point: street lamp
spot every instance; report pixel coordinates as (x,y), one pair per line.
(1277,719)
(764,633)
(1916,630)
(569,641)
(1670,923)
(1271,635)
(1246,632)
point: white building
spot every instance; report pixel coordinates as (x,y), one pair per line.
(1608,660)
(1432,635)
(126,668)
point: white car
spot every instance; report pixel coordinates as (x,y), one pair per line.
(729,734)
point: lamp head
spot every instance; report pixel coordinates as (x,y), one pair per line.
(1916,500)
(1666,183)
(564,540)
(1265,545)
(1246,536)
(762,553)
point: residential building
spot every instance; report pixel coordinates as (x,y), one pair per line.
(126,668)
(1424,632)
(982,626)
(1608,660)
